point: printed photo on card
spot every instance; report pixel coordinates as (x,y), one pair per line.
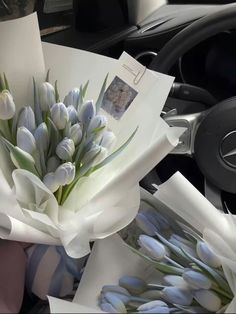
(118,97)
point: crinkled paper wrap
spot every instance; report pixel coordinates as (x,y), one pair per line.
(218,229)
(110,259)
(107,200)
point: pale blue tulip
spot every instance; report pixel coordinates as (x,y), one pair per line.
(174,280)
(176,295)
(46,96)
(113,288)
(122,297)
(72,98)
(7,105)
(65,149)
(42,137)
(59,115)
(87,112)
(98,121)
(65,174)
(108,140)
(133,284)
(207,255)
(95,155)
(157,306)
(157,310)
(75,133)
(153,247)
(155,217)
(25,140)
(115,302)
(53,163)
(146,225)
(151,294)
(27,119)
(196,280)
(73,115)
(208,299)
(51,183)
(107,307)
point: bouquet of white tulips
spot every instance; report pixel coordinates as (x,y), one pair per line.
(69,170)
(58,142)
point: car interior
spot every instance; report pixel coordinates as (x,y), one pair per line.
(195,42)
(192,40)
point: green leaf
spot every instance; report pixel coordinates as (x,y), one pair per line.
(162,267)
(210,271)
(20,158)
(98,129)
(80,149)
(84,90)
(53,135)
(2,85)
(47,76)
(6,82)
(57,93)
(81,98)
(15,122)
(101,95)
(37,108)
(115,153)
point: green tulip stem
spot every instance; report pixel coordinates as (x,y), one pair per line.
(6,130)
(168,259)
(221,292)
(59,194)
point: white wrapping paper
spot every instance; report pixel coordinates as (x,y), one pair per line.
(107,200)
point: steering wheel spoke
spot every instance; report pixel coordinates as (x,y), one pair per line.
(191,123)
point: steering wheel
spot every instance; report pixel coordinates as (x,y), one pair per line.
(211,135)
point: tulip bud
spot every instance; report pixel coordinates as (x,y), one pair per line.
(75,133)
(145,225)
(153,247)
(108,140)
(65,149)
(46,96)
(208,299)
(196,280)
(176,281)
(107,308)
(7,105)
(207,255)
(117,289)
(53,163)
(95,155)
(59,115)
(177,295)
(42,137)
(122,297)
(25,140)
(65,173)
(133,284)
(87,112)
(27,119)
(51,183)
(73,115)
(115,302)
(157,306)
(98,121)
(72,98)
